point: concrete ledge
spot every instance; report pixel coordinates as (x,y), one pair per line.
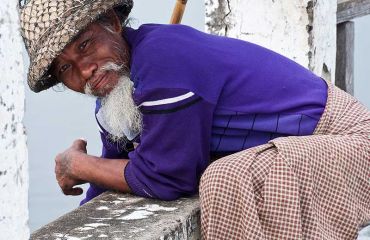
(124,216)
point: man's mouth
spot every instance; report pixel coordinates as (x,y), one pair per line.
(98,82)
(104,80)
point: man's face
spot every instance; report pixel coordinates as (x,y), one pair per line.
(80,64)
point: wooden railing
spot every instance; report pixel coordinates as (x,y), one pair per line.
(350,9)
(347,10)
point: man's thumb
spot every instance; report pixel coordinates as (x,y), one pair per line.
(80,144)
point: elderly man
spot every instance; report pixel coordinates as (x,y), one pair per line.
(294,149)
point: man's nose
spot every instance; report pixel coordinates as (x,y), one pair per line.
(87,69)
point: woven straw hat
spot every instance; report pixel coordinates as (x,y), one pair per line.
(49,25)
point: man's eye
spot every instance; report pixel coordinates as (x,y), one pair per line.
(63,68)
(83,45)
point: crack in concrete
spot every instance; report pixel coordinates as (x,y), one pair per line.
(226,15)
(309,27)
(218,17)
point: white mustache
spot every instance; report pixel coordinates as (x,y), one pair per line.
(111,66)
(108,67)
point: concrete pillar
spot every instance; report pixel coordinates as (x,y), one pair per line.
(302,30)
(13,150)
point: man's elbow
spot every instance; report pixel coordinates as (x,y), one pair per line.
(171,195)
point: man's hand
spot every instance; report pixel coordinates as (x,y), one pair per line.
(74,166)
(65,171)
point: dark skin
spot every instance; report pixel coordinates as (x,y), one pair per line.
(79,62)
(76,66)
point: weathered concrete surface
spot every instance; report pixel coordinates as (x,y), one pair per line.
(13,151)
(124,216)
(303,30)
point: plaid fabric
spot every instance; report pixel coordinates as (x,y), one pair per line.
(310,187)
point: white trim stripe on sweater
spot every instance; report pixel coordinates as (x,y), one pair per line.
(167,100)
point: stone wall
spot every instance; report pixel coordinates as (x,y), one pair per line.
(303,30)
(124,216)
(13,151)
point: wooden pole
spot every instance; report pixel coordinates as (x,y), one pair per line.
(178,11)
(350,9)
(345,56)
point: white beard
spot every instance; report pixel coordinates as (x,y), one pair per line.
(120,114)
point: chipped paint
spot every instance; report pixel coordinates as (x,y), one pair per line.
(67,237)
(119,211)
(156,207)
(95,225)
(294,29)
(132,200)
(145,211)
(84,228)
(103,208)
(100,218)
(71,238)
(136,230)
(136,215)
(13,164)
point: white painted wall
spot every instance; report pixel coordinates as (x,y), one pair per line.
(302,30)
(13,150)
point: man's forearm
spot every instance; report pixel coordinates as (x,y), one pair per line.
(107,173)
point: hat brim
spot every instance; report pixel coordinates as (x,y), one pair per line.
(53,42)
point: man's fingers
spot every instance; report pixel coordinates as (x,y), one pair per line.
(80,144)
(72,191)
(76,191)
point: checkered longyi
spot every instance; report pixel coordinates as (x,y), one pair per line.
(307,187)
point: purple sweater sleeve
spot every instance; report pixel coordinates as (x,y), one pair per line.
(111,150)
(175,144)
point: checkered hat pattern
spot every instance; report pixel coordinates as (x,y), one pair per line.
(49,25)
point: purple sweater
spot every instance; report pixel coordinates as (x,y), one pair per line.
(204,95)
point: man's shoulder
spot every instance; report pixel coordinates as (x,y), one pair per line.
(160,37)
(162,51)
(165,30)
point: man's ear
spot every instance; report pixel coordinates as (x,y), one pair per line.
(114,20)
